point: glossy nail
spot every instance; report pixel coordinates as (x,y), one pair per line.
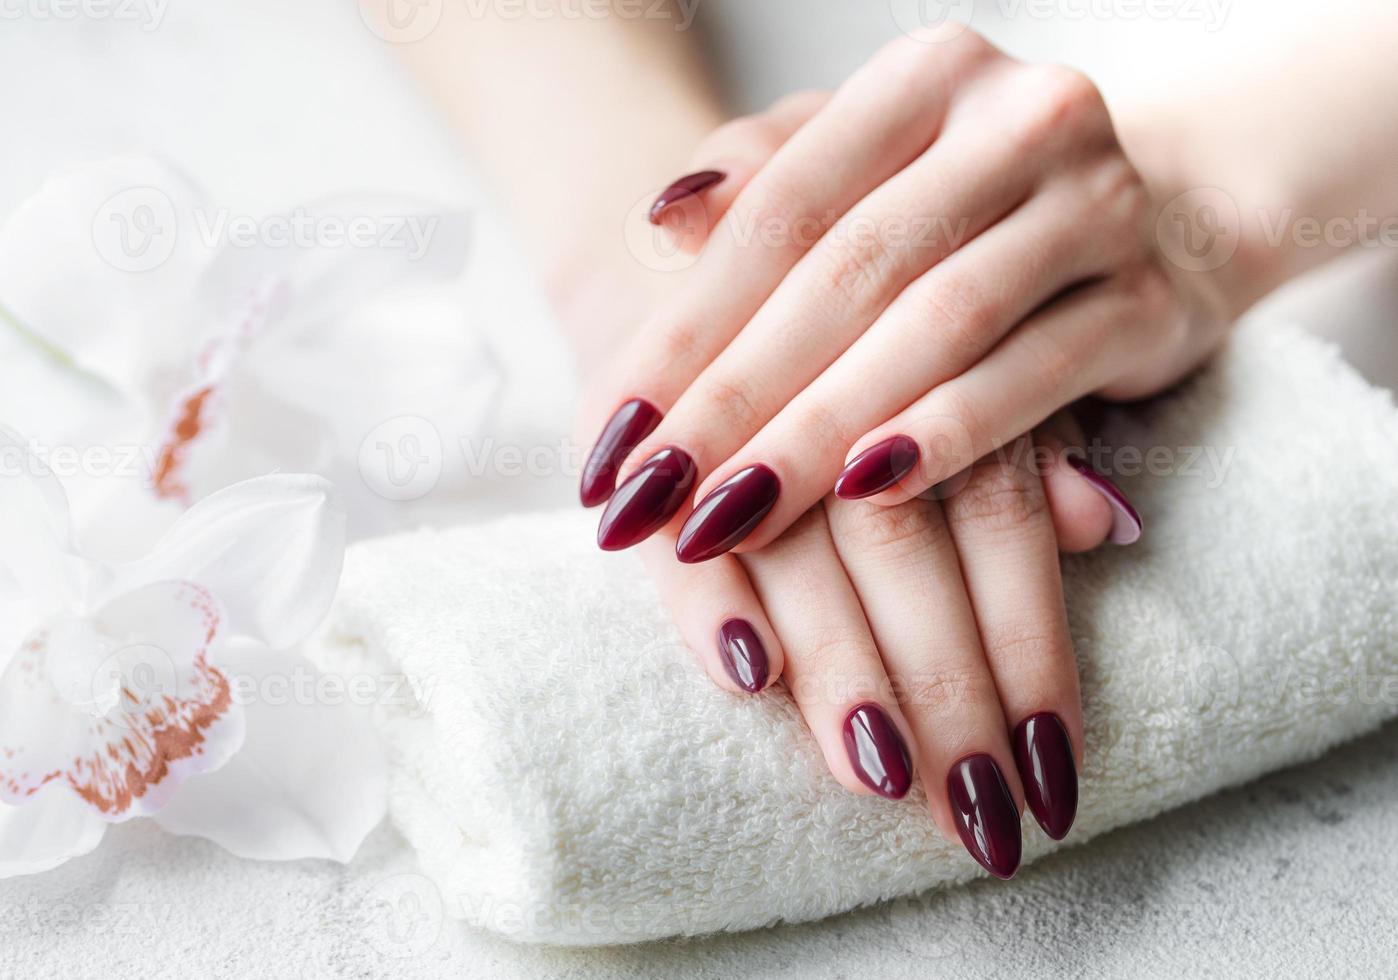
(686,186)
(877,752)
(728,514)
(1045,760)
(1126,523)
(647,500)
(877,468)
(628,425)
(985,814)
(744,656)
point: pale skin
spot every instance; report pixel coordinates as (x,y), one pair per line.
(803,350)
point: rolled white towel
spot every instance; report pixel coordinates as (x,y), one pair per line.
(568,774)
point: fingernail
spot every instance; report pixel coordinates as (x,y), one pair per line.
(877,752)
(648,499)
(985,814)
(1045,760)
(877,468)
(744,656)
(686,186)
(728,514)
(624,431)
(1126,523)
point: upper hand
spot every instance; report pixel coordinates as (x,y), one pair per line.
(948,249)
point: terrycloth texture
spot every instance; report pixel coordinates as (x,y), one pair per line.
(570,775)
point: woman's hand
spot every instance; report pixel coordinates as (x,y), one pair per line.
(895,280)
(927,639)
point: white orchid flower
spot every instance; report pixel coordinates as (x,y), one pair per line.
(135,688)
(203,345)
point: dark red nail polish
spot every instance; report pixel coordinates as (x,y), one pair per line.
(985,814)
(877,468)
(647,500)
(686,186)
(877,752)
(628,425)
(1126,523)
(1045,760)
(728,514)
(744,656)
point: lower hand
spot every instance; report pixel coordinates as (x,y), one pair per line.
(926,640)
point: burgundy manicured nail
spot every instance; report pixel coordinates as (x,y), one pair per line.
(985,814)
(744,656)
(1045,760)
(1126,523)
(728,514)
(686,186)
(877,752)
(628,425)
(877,468)
(648,499)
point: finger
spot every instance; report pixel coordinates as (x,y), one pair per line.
(1009,557)
(1083,516)
(719,617)
(832,668)
(725,163)
(1059,354)
(688,208)
(939,326)
(895,105)
(904,566)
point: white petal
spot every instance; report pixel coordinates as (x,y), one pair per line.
(270,549)
(309,781)
(121,707)
(48,830)
(127,231)
(38,574)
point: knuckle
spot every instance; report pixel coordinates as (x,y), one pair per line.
(1120,193)
(1155,295)
(735,403)
(1020,645)
(998,496)
(824,426)
(942,686)
(891,532)
(1066,105)
(679,341)
(965,319)
(836,651)
(861,263)
(774,209)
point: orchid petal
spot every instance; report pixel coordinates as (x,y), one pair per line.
(37,571)
(310,780)
(126,229)
(47,831)
(270,548)
(119,707)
